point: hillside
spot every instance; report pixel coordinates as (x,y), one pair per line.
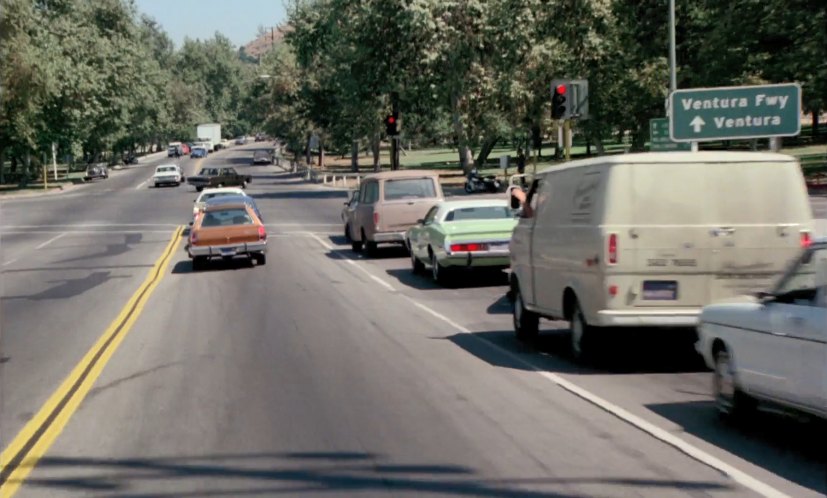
(265,42)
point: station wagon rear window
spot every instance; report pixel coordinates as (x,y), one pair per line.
(227,217)
(409,188)
(479,213)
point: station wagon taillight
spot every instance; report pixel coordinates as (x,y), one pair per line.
(806,240)
(193,238)
(468,247)
(613,249)
(262,233)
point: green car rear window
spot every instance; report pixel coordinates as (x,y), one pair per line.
(479,213)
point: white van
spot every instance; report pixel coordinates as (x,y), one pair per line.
(639,240)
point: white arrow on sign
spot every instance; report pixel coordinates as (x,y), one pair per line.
(697,124)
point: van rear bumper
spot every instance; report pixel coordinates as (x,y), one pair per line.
(648,318)
(389,237)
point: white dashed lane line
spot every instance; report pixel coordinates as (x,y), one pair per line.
(653,430)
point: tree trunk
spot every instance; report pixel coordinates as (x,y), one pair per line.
(598,144)
(307,157)
(2,165)
(321,154)
(354,157)
(465,158)
(374,145)
(537,139)
(485,151)
(814,130)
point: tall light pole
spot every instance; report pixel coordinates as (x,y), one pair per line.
(673,78)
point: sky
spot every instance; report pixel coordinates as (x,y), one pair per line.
(238,20)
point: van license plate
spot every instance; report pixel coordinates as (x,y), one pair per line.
(660,290)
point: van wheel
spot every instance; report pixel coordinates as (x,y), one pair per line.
(370,246)
(356,245)
(731,402)
(526,323)
(582,335)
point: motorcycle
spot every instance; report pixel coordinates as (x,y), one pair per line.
(129,159)
(476,183)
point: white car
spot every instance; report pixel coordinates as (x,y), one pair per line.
(167,174)
(210,193)
(772,348)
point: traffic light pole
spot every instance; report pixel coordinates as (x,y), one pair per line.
(394,153)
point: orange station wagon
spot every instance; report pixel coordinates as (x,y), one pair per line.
(227,231)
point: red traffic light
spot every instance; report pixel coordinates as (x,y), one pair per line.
(560,90)
(391,120)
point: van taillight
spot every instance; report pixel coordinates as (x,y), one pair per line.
(613,249)
(806,240)
(262,233)
(376,218)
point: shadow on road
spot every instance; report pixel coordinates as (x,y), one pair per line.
(301,194)
(550,351)
(69,288)
(130,239)
(789,448)
(460,280)
(294,474)
(218,264)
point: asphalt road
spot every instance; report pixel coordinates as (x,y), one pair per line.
(323,373)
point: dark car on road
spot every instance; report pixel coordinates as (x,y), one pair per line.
(218,177)
(262,157)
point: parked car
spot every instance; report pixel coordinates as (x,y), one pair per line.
(772,347)
(94,171)
(241,141)
(262,157)
(462,235)
(647,240)
(217,178)
(389,204)
(198,151)
(167,174)
(227,231)
(211,193)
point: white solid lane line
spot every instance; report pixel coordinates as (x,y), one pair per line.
(141,185)
(658,433)
(41,246)
(9,261)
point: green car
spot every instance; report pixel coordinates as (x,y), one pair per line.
(462,234)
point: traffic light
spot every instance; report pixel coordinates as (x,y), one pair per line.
(560,107)
(392,124)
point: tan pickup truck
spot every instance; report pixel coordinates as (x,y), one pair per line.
(387,205)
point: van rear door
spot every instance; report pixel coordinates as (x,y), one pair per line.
(405,201)
(669,235)
(760,217)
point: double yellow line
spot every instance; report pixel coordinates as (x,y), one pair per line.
(32,442)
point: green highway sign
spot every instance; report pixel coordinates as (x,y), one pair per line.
(659,137)
(737,112)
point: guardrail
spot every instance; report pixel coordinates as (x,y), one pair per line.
(334,179)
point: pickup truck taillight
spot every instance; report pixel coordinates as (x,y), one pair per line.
(262,233)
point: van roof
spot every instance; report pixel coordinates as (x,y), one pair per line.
(407,173)
(675,157)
